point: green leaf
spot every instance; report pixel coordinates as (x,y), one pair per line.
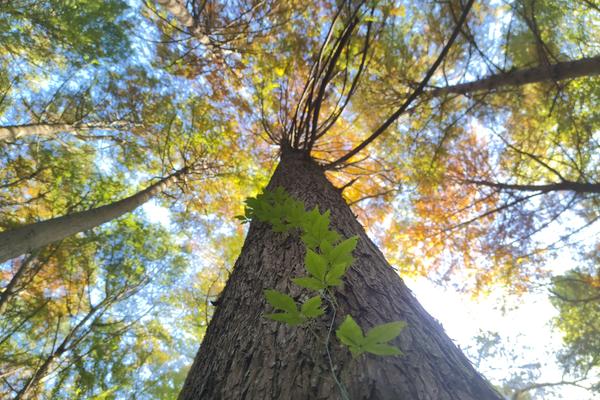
(296,213)
(281,301)
(343,251)
(350,333)
(279,194)
(310,218)
(279,227)
(309,241)
(326,248)
(252,202)
(309,283)
(384,332)
(322,225)
(316,264)
(335,273)
(287,318)
(312,307)
(333,282)
(355,350)
(329,238)
(382,349)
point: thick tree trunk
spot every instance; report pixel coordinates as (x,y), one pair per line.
(555,72)
(245,356)
(30,237)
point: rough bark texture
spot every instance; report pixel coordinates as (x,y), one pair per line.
(245,356)
(27,238)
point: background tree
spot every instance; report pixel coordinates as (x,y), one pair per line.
(576,296)
(45,351)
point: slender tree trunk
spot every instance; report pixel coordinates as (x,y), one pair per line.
(565,186)
(42,371)
(245,356)
(11,287)
(27,391)
(559,71)
(183,16)
(177,8)
(33,236)
(14,132)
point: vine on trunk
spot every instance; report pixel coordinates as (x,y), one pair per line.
(328,257)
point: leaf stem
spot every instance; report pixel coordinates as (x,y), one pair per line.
(339,384)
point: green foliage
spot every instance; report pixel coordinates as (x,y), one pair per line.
(281,301)
(316,230)
(275,208)
(57,29)
(576,296)
(329,266)
(375,342)
(312,307)
(107,275)
(327,260)
(291,315)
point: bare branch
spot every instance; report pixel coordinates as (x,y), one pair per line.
(416,93)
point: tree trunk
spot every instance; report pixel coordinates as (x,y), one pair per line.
(564,186)
(11,287)
(245,356)
(179,11)
(555,72)
(14,132)
(33,236)
(44,369)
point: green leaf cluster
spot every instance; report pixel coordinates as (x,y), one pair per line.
(327,259)
(290,314)
(316,230)
(327,267)
(576,297)
(375,341)
(276,208)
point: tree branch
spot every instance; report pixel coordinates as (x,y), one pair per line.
(416,93)
(559,71)
(566,186)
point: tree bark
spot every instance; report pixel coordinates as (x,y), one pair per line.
(11,287)
(555,72)
(33,236)
(564,186)
(14,132)
(177,8)
(183,16)
(245,356)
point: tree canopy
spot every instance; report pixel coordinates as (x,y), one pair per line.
(464,135)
